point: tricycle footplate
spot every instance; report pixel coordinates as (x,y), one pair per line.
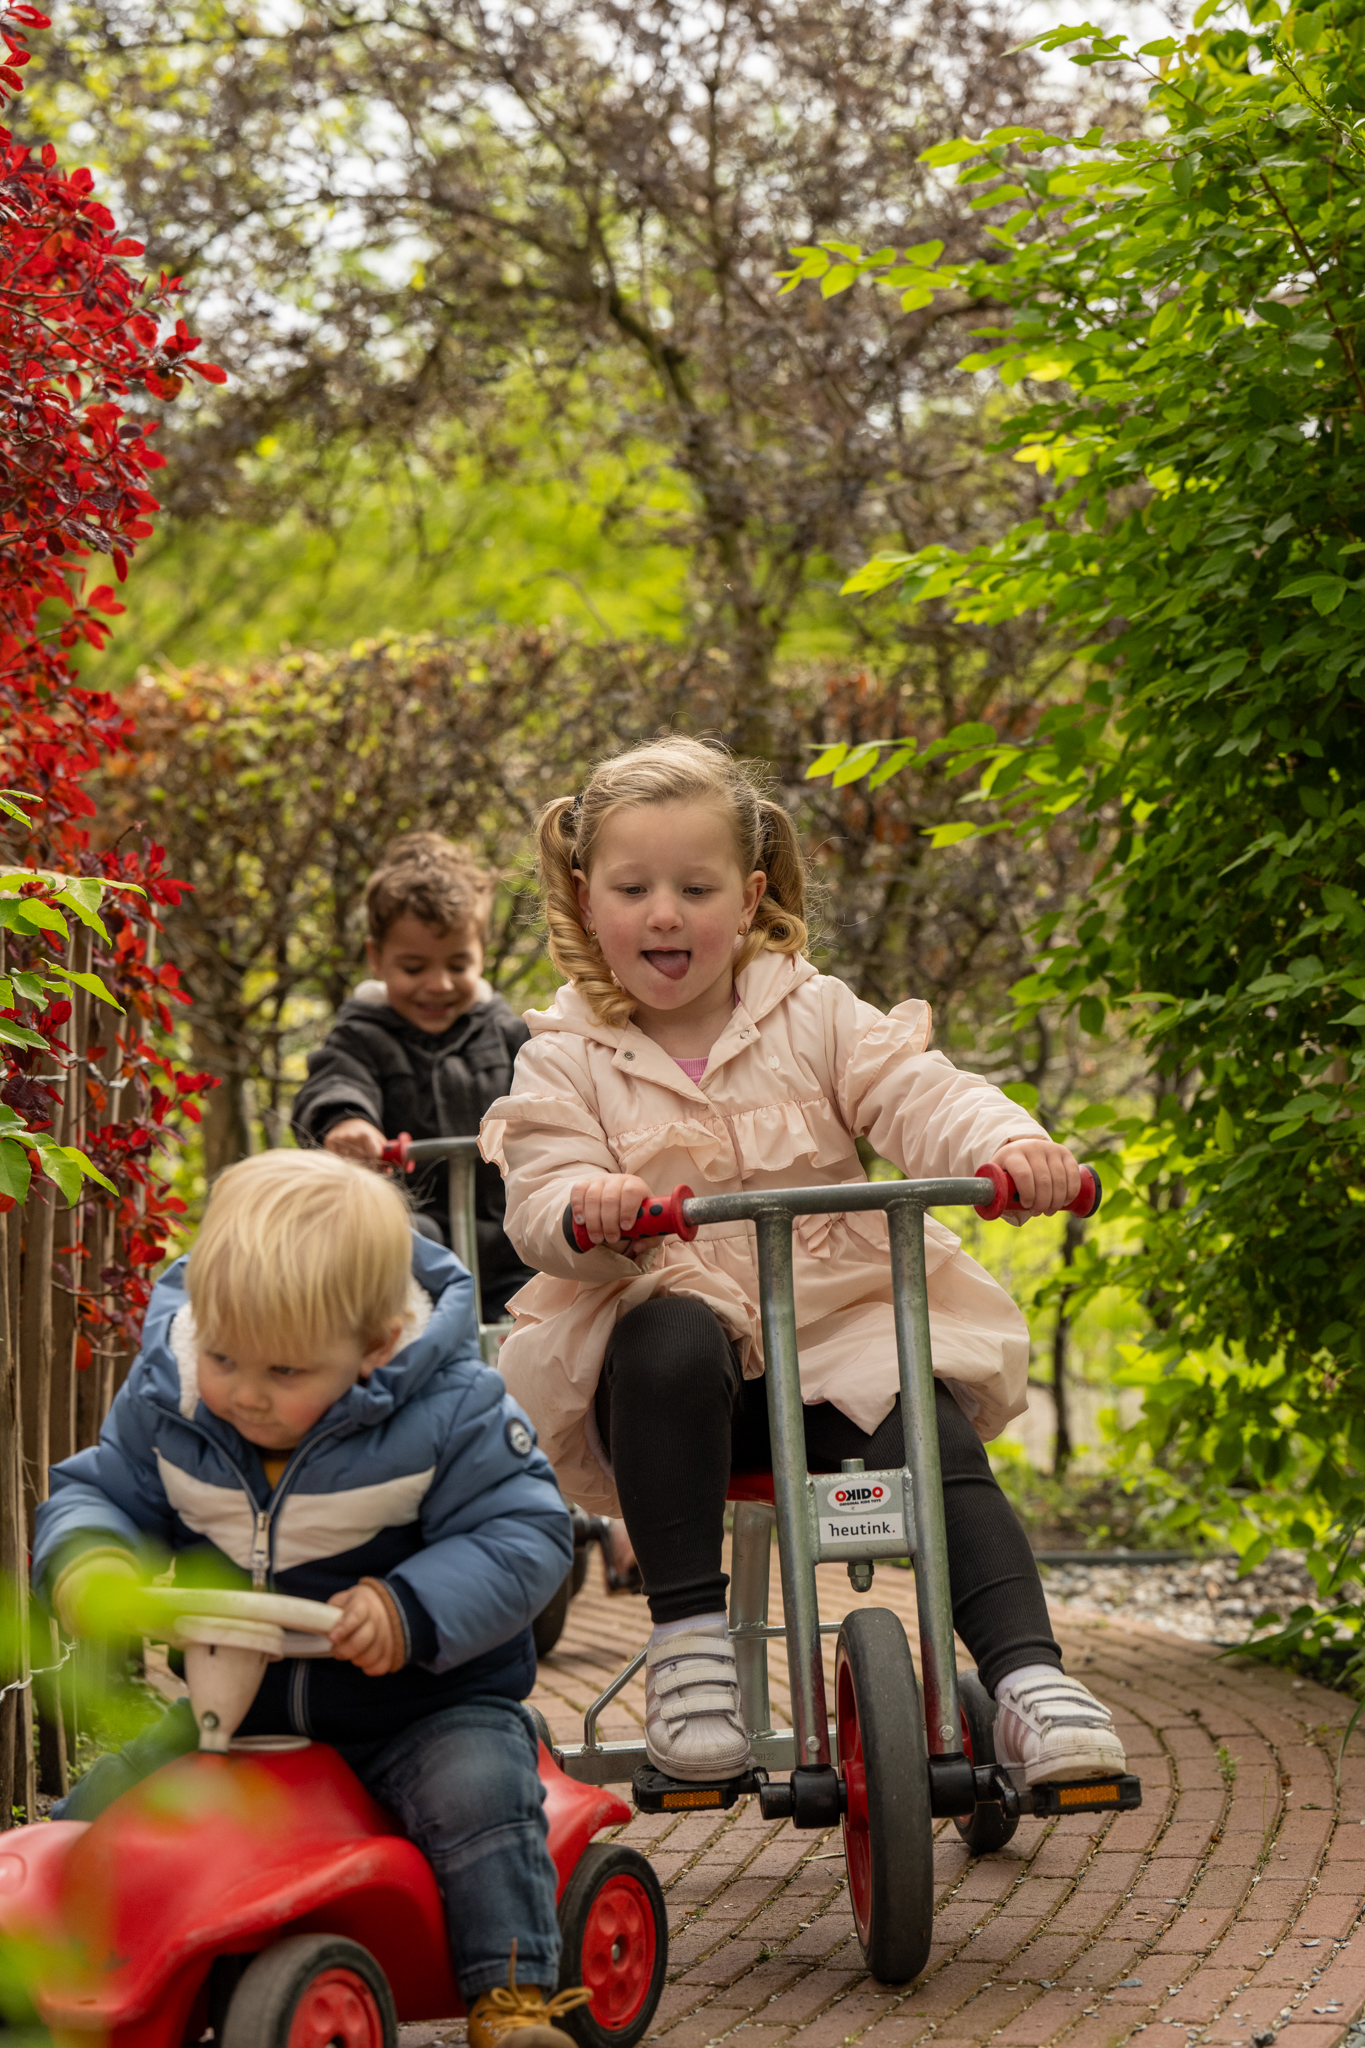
(655,1792)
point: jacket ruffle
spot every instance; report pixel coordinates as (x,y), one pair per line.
(524,1113)
(768,1139)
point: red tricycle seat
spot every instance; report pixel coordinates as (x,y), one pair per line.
(751,1486)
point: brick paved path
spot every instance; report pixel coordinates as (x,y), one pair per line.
(1229,1906)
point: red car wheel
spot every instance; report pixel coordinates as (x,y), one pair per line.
(337,2007)
(310,1991)
(615,1931)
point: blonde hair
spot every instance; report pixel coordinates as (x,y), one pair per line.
(431,878)
(298,1250)
(663,772)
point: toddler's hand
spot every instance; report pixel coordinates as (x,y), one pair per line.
(1046,1175)
(371,1635)
(355,1137)
(608,1205)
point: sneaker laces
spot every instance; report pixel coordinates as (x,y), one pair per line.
(510,2006)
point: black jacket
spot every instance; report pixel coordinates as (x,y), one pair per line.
(432,1085)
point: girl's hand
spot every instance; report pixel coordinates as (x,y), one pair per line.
(371,1635)
(1046,1175)
(607,1206)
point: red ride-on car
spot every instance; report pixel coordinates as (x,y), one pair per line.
(256,1888)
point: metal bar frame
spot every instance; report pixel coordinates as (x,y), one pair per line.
(461,1156)
(772,1212)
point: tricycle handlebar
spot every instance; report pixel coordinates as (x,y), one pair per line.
(991,1192)
(408,1153)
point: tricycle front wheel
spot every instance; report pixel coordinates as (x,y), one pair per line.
(888,1825)
(312,1991)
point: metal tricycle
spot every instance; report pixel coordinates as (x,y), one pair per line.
(257,1889)
(892,1761)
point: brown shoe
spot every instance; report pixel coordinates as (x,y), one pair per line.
(523,2010)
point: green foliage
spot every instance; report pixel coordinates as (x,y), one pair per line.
(1183,345)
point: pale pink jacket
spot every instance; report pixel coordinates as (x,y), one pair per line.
(801,1070)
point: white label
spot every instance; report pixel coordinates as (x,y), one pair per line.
(867,1528)
(858,1497)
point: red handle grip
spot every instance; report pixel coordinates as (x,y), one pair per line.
(1007,1194)
(395,1153)
(660,1216)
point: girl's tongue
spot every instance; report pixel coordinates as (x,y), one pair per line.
(673,964)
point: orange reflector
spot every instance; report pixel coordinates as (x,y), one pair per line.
(1086,1795)
(707,1795)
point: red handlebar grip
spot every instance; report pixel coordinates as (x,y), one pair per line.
(1006,1194)
(395,1153)
(660,1216)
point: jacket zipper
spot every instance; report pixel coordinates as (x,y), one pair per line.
(263,1519)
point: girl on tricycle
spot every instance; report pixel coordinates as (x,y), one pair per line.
(695,1042)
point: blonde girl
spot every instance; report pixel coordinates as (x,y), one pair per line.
(695,1042)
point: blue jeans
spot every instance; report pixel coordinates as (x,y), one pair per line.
(463,1786)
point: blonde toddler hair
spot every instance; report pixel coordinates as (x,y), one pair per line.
(299,1250)
(664,772)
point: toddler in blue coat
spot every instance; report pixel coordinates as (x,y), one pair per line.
(309,1414)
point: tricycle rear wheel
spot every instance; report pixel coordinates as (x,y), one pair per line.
(614,1927)
(987,1827)
(309,1991)
(888,1825)
(548,1625)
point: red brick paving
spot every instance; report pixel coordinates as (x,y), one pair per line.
(1235,1895)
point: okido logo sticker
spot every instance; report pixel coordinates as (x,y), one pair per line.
(858,1497)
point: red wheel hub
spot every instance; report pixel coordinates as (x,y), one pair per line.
(619,1947)
(337,2010)
(857,1842)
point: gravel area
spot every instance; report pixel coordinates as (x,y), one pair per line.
(1205,1601)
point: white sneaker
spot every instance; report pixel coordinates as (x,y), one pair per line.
(693,1724)
(1057,1730)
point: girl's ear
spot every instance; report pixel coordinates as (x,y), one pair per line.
(580,883)
(755,887)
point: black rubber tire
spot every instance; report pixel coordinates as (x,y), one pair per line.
(989,1827)
(601,1865)
(888,1829)
(548,1625)
(262,2008)
(542,1726)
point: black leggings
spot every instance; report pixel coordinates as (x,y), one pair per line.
(677,1417)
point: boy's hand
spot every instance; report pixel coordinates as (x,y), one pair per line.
(372,1633)
(355,1137)
(607,1206)
(1046,1175)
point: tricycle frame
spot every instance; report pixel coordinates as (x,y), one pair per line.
(797,1494)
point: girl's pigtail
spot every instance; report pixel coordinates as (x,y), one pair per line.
(780,922)
(577,956)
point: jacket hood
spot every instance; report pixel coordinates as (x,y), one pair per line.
(764,984)
(440,1314)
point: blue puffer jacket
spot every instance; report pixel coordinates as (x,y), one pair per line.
(426,1476)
